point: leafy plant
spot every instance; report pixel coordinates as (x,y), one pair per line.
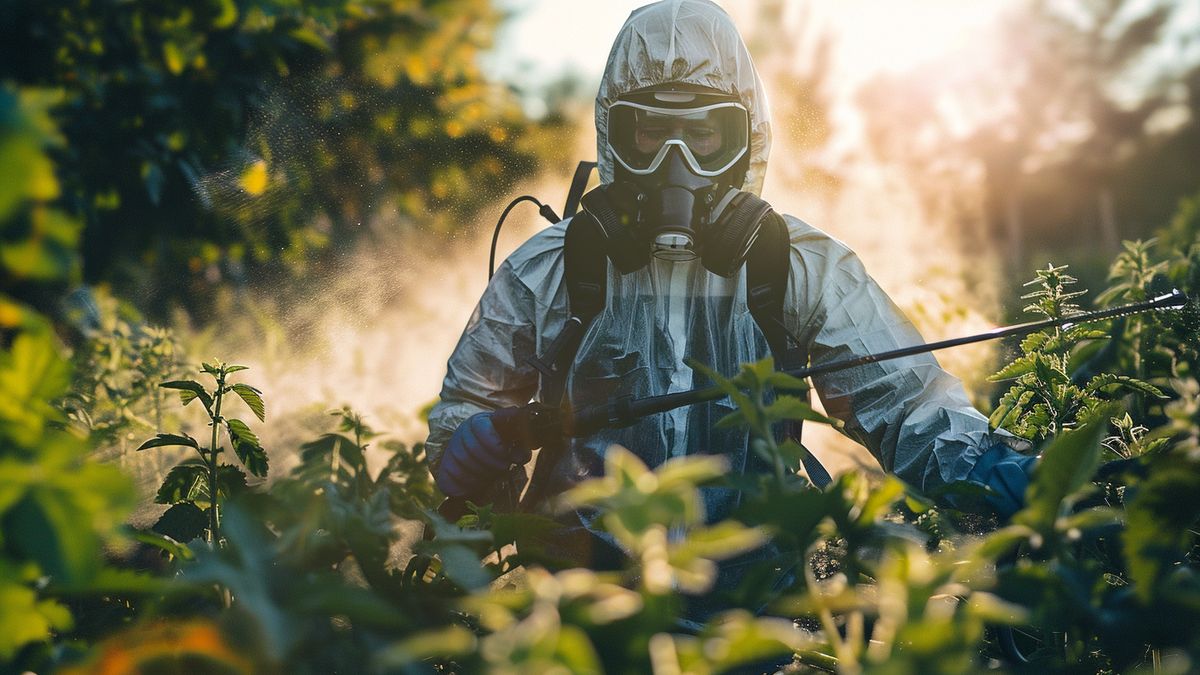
(201,483)
(118,366)
(310,577)
(58,511)
(1044,398)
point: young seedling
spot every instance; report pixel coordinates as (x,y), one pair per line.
(198,484)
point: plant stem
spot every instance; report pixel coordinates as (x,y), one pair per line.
(213,523)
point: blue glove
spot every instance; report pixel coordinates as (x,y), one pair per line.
(1007,473)
(475,456)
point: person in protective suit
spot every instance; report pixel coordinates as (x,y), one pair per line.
(683,134)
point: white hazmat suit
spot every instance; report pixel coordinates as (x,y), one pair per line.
(913,416)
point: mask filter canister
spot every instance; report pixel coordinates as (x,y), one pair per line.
(673,236)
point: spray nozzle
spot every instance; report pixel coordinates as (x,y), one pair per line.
(1172,300)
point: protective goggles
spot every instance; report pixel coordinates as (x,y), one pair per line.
(712,138)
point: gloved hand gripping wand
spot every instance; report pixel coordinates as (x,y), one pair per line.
(539,425)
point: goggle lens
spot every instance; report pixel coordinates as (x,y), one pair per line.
(715,136)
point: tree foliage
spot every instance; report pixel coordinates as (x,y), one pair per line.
(222,140)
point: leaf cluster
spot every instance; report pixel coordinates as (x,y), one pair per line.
(204,144)
(1048,394)
(200,483)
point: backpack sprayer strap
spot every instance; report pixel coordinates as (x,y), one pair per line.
(583,171)
(585,273)
(768,266)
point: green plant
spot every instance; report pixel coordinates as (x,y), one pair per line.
(56,508)
(1045,398)
(58,511)
(118,366)
(201,483)
(311,576)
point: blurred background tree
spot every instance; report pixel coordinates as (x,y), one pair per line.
(1077,128)
(220,141)
(795,59)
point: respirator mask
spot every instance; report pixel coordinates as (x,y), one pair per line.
(680,158)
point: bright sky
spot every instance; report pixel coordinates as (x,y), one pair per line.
(547,38)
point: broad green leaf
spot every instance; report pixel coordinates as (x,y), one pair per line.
(759,372)
(1067,464)
(190,390)
(1047,372)
(183,522)
(125,582)
(239,432)
(446,532)
(793,515)
(253,399)
(738,638)
(231,481)
(48,256)
(576,652)
(321,451)
(741,401)
(690,471)
(24,618)
(1161,521)
(1018,367)
(235,368)
(1032,343)
(27,131)
(629,470)
(308,37)
(461,565)
(530,528)
(1106,381)
(996,611)
(48,528)
(162,542)
(247,447)
(1003,541)
(248,568)
(166,440)
(32,375)
(781,380)
(880,500)
(718,542)
(185,482)
(792,408)
(1011,406)
(793,454)
(1093,518)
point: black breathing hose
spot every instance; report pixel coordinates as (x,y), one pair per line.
(544,209)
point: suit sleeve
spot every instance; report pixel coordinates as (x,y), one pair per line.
(914,417)
(488,369)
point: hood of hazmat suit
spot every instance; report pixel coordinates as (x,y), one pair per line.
(912,416)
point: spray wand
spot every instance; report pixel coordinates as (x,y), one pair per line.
(538,425)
